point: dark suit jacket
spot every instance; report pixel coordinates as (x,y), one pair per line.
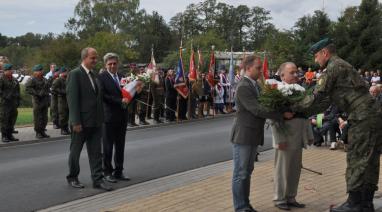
(248,127)
(170,90)
(85,103)
(112,99)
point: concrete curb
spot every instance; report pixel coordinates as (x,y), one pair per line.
(63,137)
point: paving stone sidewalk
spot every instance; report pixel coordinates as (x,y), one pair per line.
(209,188)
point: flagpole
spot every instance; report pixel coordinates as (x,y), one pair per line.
(230,84)
(189,92)
(213,88)
(148,95)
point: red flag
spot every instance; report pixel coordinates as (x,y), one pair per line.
(211,70)
(265,68)
(192,72)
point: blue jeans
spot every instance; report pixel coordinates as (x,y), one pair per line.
(243,164)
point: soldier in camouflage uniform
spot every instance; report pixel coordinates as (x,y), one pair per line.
(59,88)
(142,105)
(38,87)
(341,85)
(54,113)
(9,101)
(157,90)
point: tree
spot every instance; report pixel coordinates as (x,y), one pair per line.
(92,16)
(307,31)
(368,33)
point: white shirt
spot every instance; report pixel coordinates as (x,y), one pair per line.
(88,73)
(113,76)
(376,79)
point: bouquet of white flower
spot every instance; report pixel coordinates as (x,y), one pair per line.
(279,96)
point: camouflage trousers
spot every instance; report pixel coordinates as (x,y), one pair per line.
(40,118)
(8,115)
(54,113)
(63,112)
(365,142)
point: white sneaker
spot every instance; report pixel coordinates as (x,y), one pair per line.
(332,145)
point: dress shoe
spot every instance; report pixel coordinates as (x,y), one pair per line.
(283,206)
(132,124)
(65,132)
(15,131)
(103,186)
(121,177)
(110,179)
(75,184)
(296,205)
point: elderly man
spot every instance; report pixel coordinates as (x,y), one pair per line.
(115,123)
(288,155)
(375,91)
(342,86)
(248,132)
(85,117)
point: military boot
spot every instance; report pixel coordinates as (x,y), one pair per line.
(39,135)
(367,200)
(352,204)
(5,138)
(10,136)
(45,135)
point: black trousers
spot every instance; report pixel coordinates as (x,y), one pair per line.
(170,104)
(92,137)
(113,136)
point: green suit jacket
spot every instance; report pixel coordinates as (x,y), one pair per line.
(85,103)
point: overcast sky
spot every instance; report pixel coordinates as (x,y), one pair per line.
(18,17)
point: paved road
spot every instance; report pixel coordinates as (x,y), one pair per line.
(33,176)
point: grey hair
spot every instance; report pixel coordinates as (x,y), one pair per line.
(283,66)
(109,56)
(85,52)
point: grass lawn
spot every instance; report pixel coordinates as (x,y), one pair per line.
(25,116)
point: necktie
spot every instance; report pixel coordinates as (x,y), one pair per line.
(116,79)
(91,80)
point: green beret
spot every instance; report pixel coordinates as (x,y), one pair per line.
(37,67)
(320,45)
(7,66)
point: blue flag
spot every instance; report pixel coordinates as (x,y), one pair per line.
(180,84)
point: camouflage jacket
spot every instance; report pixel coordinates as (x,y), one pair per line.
(341,85)
(59,87)
(9,91)
(39,89)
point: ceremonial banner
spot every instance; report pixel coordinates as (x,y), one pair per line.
(180,84)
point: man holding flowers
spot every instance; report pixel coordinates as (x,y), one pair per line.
(248,132)
(288,143)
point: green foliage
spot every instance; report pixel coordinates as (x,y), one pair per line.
(26,99)
(25,116)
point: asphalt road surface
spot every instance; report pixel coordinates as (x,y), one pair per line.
(33,176)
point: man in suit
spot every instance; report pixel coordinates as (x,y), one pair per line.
(248,132)
(171,95)
(288,145)
(85,117)
(115,123)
